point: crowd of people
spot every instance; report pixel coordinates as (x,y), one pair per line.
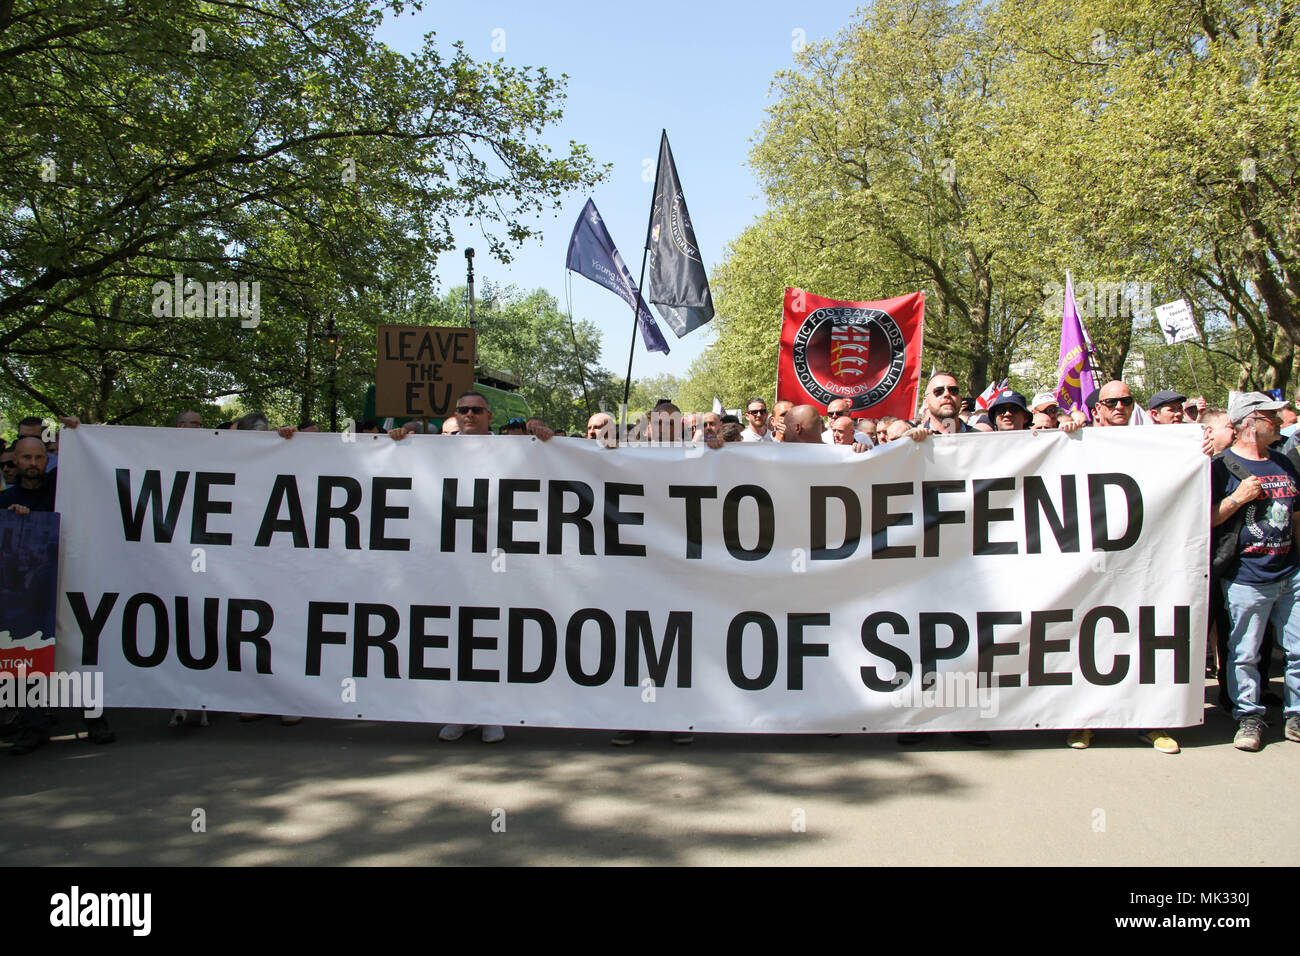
(1254,595)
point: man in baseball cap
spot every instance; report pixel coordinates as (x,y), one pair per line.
(1256,501)
(1166,407)
(1241,405)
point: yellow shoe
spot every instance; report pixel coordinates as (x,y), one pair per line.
(1079,739)
(1160,740)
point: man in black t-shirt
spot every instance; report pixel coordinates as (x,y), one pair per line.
(1264,583)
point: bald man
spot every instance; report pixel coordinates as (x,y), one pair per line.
(34,488)
(600,427)
(1114,404)
(710,423)
(842,431)
(803,425)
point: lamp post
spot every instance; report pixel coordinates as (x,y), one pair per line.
(469,274)
(332,337)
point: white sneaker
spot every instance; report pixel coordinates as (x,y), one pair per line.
(451,732)
(493,734)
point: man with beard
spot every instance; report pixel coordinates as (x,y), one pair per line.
(1263,584)
(943,405)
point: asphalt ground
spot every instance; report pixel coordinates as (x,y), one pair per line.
(330,792)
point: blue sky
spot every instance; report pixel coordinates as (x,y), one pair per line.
(700,70)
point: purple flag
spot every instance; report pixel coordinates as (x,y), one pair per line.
(1075,371)
(592,254)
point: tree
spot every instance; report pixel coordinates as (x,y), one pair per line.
(276,142)
(874,161)
(526,334)
(1158,143)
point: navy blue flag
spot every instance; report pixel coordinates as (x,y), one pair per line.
(592,254)
(678,284)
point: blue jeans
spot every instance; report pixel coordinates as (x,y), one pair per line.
(1250,608)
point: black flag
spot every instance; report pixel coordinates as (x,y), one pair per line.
(678,285)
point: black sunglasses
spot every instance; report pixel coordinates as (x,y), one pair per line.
(1113,403)
(467,409)
(950,389)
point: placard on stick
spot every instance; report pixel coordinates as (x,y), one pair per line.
(421,370)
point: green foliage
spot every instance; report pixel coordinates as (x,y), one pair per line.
(526,334)
(277,142)
(978,151)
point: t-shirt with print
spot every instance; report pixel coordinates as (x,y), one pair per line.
(1267,551)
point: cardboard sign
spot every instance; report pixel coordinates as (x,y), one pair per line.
(421,370)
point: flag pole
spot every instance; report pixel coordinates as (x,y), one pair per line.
(1190,367)
(568,301)
(636,309)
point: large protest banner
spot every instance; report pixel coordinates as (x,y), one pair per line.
(1045,580)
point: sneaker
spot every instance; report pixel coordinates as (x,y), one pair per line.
(451,732)
(1160,740)
(1080,739)
(1250,734)
(1293,728)
(27,740)
(99,730)
(682,738)
(493,734)
(625,738)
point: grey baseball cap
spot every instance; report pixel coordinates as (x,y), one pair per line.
(1241,404)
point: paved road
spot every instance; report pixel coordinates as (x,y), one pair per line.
(340,792)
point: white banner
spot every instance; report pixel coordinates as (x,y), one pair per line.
(1047,580)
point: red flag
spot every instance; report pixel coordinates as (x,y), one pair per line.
(867,352)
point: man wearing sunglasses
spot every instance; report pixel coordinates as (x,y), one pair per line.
(1009,412)
(756,418)
(1114,404)
(943,406)
(8,467)
(474,417)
